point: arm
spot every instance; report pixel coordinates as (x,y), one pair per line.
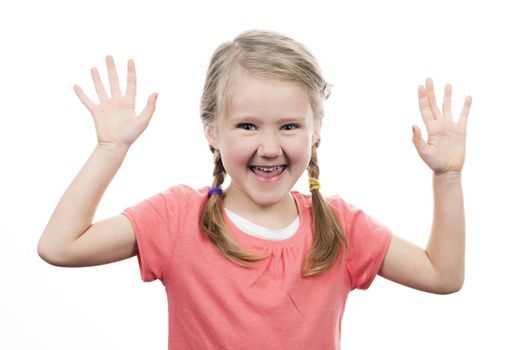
(70,238)
(440,268)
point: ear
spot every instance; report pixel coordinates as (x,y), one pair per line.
(210,132)
(316,135)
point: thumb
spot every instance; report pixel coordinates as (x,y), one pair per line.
(418,140)
(147,113)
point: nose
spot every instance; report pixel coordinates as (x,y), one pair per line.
(269,145)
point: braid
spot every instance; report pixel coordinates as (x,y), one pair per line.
(213,225)
(218,171)
(313,165)
(328,234)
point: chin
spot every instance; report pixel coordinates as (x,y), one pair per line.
(267,198)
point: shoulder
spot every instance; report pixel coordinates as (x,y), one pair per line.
(186,191)
(176,198)
(343,210)
(336,202)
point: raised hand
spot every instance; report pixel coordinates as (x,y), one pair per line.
(115,119)
(444,151)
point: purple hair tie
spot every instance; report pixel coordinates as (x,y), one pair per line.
(215,190)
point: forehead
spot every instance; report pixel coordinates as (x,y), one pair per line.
(254,95)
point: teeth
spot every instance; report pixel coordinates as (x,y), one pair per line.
(268,169)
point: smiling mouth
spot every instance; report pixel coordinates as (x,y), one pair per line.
(268,171)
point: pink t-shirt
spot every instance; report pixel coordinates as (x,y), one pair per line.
(215,304)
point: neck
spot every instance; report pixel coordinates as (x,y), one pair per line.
(275,216)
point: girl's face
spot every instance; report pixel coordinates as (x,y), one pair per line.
(265,139)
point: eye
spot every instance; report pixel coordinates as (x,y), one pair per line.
(246,126)
(290,127)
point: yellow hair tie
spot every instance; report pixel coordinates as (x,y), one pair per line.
(314,184)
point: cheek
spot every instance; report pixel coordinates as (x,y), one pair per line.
(299,150)
(236,150)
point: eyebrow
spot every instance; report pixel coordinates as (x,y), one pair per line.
(250,118)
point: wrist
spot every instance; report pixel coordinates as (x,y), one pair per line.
(447,178)
(113,150)
(448,173)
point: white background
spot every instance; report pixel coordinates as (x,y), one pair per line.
(376,54)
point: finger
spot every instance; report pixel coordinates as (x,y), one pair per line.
(447,102)
(131,87)
(114,85)
(90,105)
(99,87)
(424,105)
(147,113)
(463,118)
(432,99)
(418,140)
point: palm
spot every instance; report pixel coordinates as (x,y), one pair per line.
(444,150)
(116,121)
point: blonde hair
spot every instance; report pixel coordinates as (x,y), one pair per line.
(273,55)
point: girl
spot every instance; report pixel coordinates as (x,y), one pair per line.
(257,265)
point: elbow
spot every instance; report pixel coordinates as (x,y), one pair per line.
(456,282)
(44,254)
(451,289)
(456,287)
(450,285)
(48,254)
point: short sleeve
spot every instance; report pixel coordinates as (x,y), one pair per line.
(151,223)
(368,243)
